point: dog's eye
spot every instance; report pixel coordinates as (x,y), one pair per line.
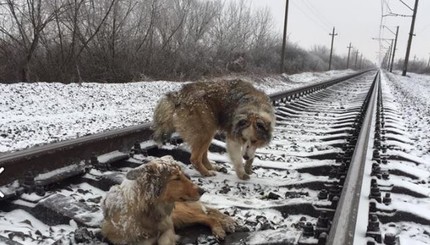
(253,142)
(242,123)
(261,126)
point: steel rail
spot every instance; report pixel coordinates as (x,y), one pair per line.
(49,157)
(344,223)
(297,92)
(41,159)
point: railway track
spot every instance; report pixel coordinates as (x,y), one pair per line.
(333,174)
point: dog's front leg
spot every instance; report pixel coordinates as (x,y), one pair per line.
(248,166)
(234,150)
(167,238)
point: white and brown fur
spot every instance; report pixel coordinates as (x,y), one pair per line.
(200,109)
(139,210)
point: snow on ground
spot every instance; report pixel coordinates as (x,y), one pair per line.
(407,104)
(39,113)
(412,96)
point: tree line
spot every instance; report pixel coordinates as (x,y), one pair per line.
(134,40)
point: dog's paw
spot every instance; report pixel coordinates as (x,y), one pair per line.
(228,224)
(243,176)
(218,232)
(210,173)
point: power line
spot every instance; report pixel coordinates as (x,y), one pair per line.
(310,17)
(317,13)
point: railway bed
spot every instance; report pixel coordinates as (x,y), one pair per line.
(334,173)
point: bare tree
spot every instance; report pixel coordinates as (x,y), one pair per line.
(28,20)
(126,40)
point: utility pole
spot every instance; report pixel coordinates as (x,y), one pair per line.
(389,54)
(356,57)
(428,63)
(349,51)
(361,60)
(284,39)
(411,34)
(394,49)
(331,50)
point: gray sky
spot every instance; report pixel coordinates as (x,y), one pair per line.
(356,21)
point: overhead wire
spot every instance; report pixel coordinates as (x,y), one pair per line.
(317,13)
(311,18)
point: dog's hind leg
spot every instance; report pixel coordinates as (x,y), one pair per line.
(234,151)
(198,151)
(208,164)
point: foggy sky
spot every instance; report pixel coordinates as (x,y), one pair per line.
(356,21)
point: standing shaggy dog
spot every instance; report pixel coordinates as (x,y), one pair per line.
(199,109)
(139,210)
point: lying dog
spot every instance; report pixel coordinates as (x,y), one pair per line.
(139,210)
(199,109)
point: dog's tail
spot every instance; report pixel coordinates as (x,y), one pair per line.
(163,119)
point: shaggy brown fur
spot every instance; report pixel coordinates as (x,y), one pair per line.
(139,210)
(199,109)
(191,213)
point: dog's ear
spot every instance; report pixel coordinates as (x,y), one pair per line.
(133,174)
(136,172)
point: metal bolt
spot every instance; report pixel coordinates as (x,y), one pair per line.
(28,182)
(390,239)
(322,238)
(375,193)
(342,179)
(373,224)
(334,202)
(308,230)
(322,220)
(385,175)
(323,194)
(136,148)
(377,143)
(94,161)
(372,206)
(387,199)
(40,190)
(376,154)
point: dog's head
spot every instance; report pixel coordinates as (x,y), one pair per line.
(163,180)
(253,130)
